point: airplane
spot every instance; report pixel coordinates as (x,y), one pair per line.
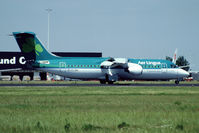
(174,59)
(175,56)
(105,69)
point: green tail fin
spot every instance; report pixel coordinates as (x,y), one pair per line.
(31,47)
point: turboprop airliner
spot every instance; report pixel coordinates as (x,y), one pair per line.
(106,70)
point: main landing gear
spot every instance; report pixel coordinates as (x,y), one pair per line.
(104,82)
(110,79)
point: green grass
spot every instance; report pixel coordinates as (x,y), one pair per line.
(99,109)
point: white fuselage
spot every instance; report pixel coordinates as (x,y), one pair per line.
(98,73)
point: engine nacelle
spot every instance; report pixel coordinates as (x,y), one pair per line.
(134,69)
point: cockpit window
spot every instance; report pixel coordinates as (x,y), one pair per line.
(111,59)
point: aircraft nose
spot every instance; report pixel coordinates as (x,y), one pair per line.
(182,73)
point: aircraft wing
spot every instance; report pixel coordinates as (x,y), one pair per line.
(115,63)
(186,68)
(121,63)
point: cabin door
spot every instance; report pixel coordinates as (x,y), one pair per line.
(164,67)
(62,66)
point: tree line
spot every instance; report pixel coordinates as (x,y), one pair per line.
(181,62)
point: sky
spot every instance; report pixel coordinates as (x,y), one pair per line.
(150,29)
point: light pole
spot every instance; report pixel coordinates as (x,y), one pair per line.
(48,43)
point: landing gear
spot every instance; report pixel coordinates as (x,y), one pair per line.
(110,79)
(110,82)
(102,81)
(177,82)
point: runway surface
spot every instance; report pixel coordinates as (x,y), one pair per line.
(95,85)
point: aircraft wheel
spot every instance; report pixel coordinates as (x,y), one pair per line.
(102,81)
(176,82)
(110,82)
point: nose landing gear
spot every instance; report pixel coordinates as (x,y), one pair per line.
(177,82)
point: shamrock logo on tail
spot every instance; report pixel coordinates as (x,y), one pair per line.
(38,49)
(30,45)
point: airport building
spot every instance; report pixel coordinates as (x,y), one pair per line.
(195,75)
(13,65)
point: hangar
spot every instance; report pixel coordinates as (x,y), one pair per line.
(13,63)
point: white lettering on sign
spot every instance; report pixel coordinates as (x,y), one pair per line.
(13,61)
(22,60)
(8,61)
